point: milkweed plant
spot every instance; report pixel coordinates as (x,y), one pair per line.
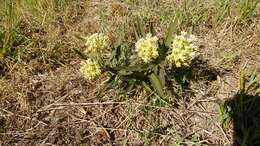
(149,64)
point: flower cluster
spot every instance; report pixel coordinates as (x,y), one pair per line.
(180,54)
(96,43)
(183,50)
(147,48)
(90,69)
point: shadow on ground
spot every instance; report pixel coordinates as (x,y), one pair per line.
(245,112)
(199,70)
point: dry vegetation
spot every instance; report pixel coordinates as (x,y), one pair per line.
(44,100)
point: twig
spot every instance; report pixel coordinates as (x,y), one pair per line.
(205,112)
(124,130)
(26,117)
(86,104)
(100,103)
(48,106)
(225,135)
(43,142)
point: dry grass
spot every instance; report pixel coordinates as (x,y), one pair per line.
(45,101)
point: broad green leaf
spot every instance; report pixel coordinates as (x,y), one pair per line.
(172,29)
(124,72)
(131,84)
(111,79)
(113,61)
(137,68)
(118,57)
(157,85)
(162,53)
(123,58)
(162,74)
(156,69)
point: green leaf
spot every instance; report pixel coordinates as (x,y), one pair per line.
(81,54)
(113,61)
(162,74)
(137,68)
(162,53)
(124,72)
(131,84)
(172,29)
(224,115)
(159,102)
(118,57)
(157,85)
(146,87)
(253,75)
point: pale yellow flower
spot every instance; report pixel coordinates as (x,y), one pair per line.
(183,50)
(147,48)
(96,43)
(90,69)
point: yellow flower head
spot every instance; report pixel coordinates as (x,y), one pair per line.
(96,43)
(183,50)
(147,48)
(90,69)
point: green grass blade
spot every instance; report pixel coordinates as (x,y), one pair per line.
(146,87)
(253,80)
(140,27)
(253,75)
(242,80)
(257,91)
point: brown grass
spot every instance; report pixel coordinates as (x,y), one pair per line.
(45,101)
